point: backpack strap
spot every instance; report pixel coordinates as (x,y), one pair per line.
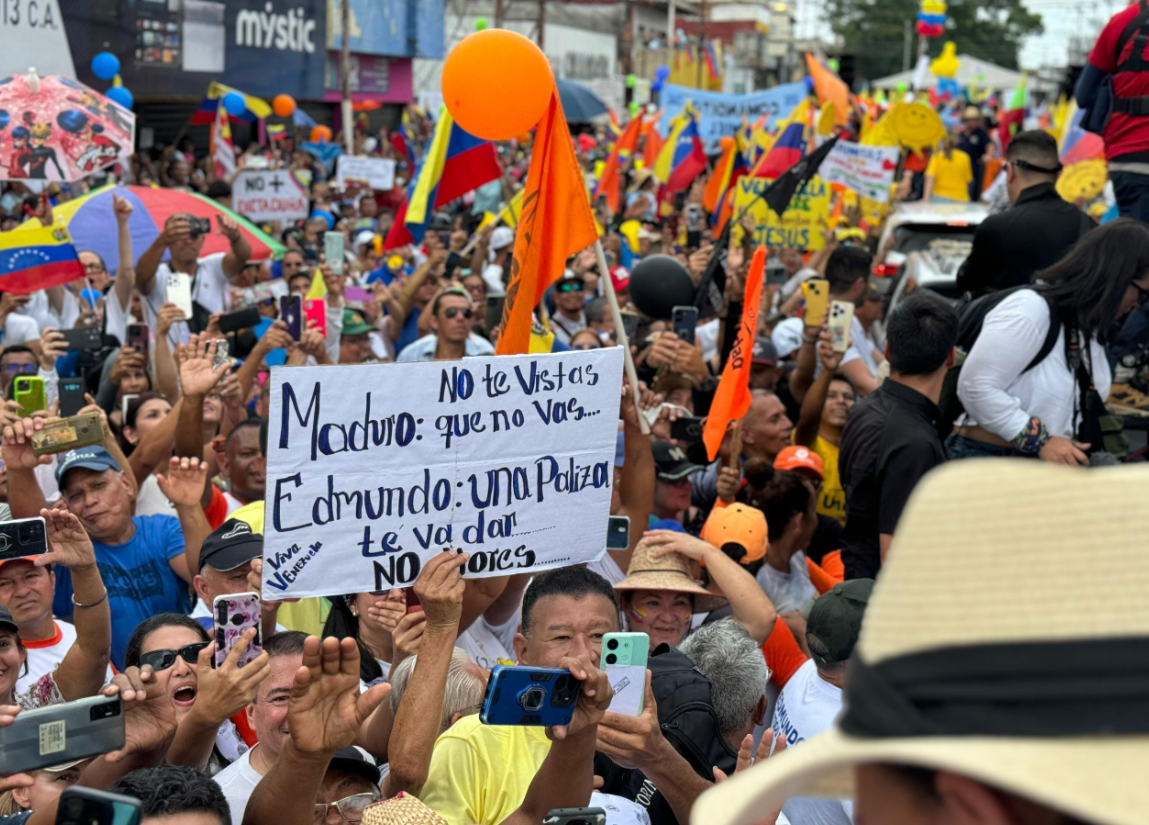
(1135,30)
(1050,337)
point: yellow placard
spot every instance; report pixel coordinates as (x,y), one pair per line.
(915,125)
(1084,179)
(800,227)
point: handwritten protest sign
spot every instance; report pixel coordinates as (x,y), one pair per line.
(800,226)
(368,173)
(720,114)
(867,170)
(374,469)
(270,195)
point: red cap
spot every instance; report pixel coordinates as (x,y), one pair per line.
(620,278)
(798,458)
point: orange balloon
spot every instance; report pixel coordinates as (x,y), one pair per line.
(283,105)
(497,84)
(320,134)
(726,141)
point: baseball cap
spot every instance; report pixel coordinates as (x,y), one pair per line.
(671,463)
(88,458)
(787,336)
(799,458)
(764,352)
(502,237)
(364,236)
(620,278)
(739,531)
(231,544)
(6,620)
(836,618)
(354,323)
(357,761)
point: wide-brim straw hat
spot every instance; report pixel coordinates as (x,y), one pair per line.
(1007,640)
(669,572)
(403,809)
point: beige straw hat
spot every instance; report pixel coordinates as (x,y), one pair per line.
(403,809)
(1007,640)
(670,572)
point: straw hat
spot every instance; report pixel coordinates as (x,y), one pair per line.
(1022,586)
(403,809)
(669,572)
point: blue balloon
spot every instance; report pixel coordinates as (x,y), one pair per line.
(235,104)
(662,73)
(656,86)
(809,84)
(105,65)
(121,95)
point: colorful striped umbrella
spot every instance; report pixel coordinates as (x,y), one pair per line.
(92,224)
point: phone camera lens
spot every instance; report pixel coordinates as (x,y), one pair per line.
(562,682)
(611,658)
(612,644)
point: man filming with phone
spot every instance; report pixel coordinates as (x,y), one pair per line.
(200,286)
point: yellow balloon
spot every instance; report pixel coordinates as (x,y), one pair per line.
(946,64)
(1084,179)
(915,125)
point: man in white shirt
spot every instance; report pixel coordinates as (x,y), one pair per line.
(812,699)
(502,245)
(14,327)
(451,318)
(569,298)
(211,277)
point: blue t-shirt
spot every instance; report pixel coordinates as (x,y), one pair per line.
(139,578)
(410,333)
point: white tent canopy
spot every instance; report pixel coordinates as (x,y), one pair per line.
(969,69)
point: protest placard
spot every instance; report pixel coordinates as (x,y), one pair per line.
(867,170)
(800,227)
(367,173)
(720,114)
(373,469)
(270,195)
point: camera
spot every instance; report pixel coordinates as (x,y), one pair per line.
(104,711)
(199,226)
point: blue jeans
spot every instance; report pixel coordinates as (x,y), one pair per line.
(1132,192)
(958,446)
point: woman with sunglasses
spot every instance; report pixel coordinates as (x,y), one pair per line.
(1035,381)
(586,338)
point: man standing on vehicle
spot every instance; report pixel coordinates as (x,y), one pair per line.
(1040,228)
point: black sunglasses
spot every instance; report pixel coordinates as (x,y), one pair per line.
(451,312)
(163,659)
(571,286)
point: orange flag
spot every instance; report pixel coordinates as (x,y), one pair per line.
(653,146)
(610,182)
(732,398)
(829,87)
(556,222)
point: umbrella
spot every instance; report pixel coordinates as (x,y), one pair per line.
(60,129)
(580,104)
(92,224)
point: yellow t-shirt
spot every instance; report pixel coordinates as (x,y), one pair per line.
(832,498)
(479,774)
(951,177)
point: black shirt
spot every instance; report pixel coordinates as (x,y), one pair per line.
(1012,245)
(974,144)
(889,443)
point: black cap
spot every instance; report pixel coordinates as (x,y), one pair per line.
(6,620)
(671,463)
(355,760)
(836,618)
(231,544)
(764,352)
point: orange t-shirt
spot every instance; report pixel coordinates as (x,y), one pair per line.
(832,564)
(783,656)
(822,579)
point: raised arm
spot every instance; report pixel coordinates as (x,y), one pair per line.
(183,484)
(24,495)
(167,380)
(125,269)
(240,251)
(810,416)
(637,479)
(175,227)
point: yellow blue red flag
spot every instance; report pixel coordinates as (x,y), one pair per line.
(37,259)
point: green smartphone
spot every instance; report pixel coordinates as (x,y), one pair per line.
(624,658)
(29,394)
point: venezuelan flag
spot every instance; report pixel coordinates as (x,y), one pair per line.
(276,131)
(710,54)
(789,147)
(610,182)
(682,158)
(401,139)
(37,259)
(730,167)
(204,116)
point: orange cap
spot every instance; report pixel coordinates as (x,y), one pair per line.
(799,458)
(741,525)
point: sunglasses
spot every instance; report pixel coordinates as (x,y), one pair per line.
(451,312)
(350,808)
(163,659)
(571,286)
(585,346)
(20,369)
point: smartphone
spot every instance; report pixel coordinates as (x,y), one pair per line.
(23,537)
(682,323)
(140,339)
(453,259)
(495,310)
(624,657)
(60,733)
(65,434)
(413,603)
(688,428)
(816,293)
(221,354)
(315,310)
(87,806)
(575,816)
(630,324)
(125,402)
(28,392)
(693,238)
(841,316)
(333,251)
(776,275)
(82,338)
(519,695)
(234,614)
(180,292)
(291,312)
(618,533)
(358,293)
(240,319)
(72,399)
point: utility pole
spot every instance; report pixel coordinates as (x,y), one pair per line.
(345,63)
(542,20)
(670,24)
(701,38)
(907,45)
(498,14)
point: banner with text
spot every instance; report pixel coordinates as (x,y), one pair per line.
(270,195)
(373,469)
(368,173)
(801,225)
(867,170)
(720,114)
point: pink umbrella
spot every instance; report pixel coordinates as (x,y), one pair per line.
(55,128)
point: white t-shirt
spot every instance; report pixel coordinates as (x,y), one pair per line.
(39,308)
(706,335)
(564,328)
(493,276)
(238,781)
(791,591)
(487,645)
(211,289)
(152,502)
(608,568)
(807,706)
(45,656)
(117,318)
(18,329)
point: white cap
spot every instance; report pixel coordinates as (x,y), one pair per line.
(787,336)
(502,237)
(364,236)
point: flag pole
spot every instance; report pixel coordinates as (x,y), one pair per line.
(620,334)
